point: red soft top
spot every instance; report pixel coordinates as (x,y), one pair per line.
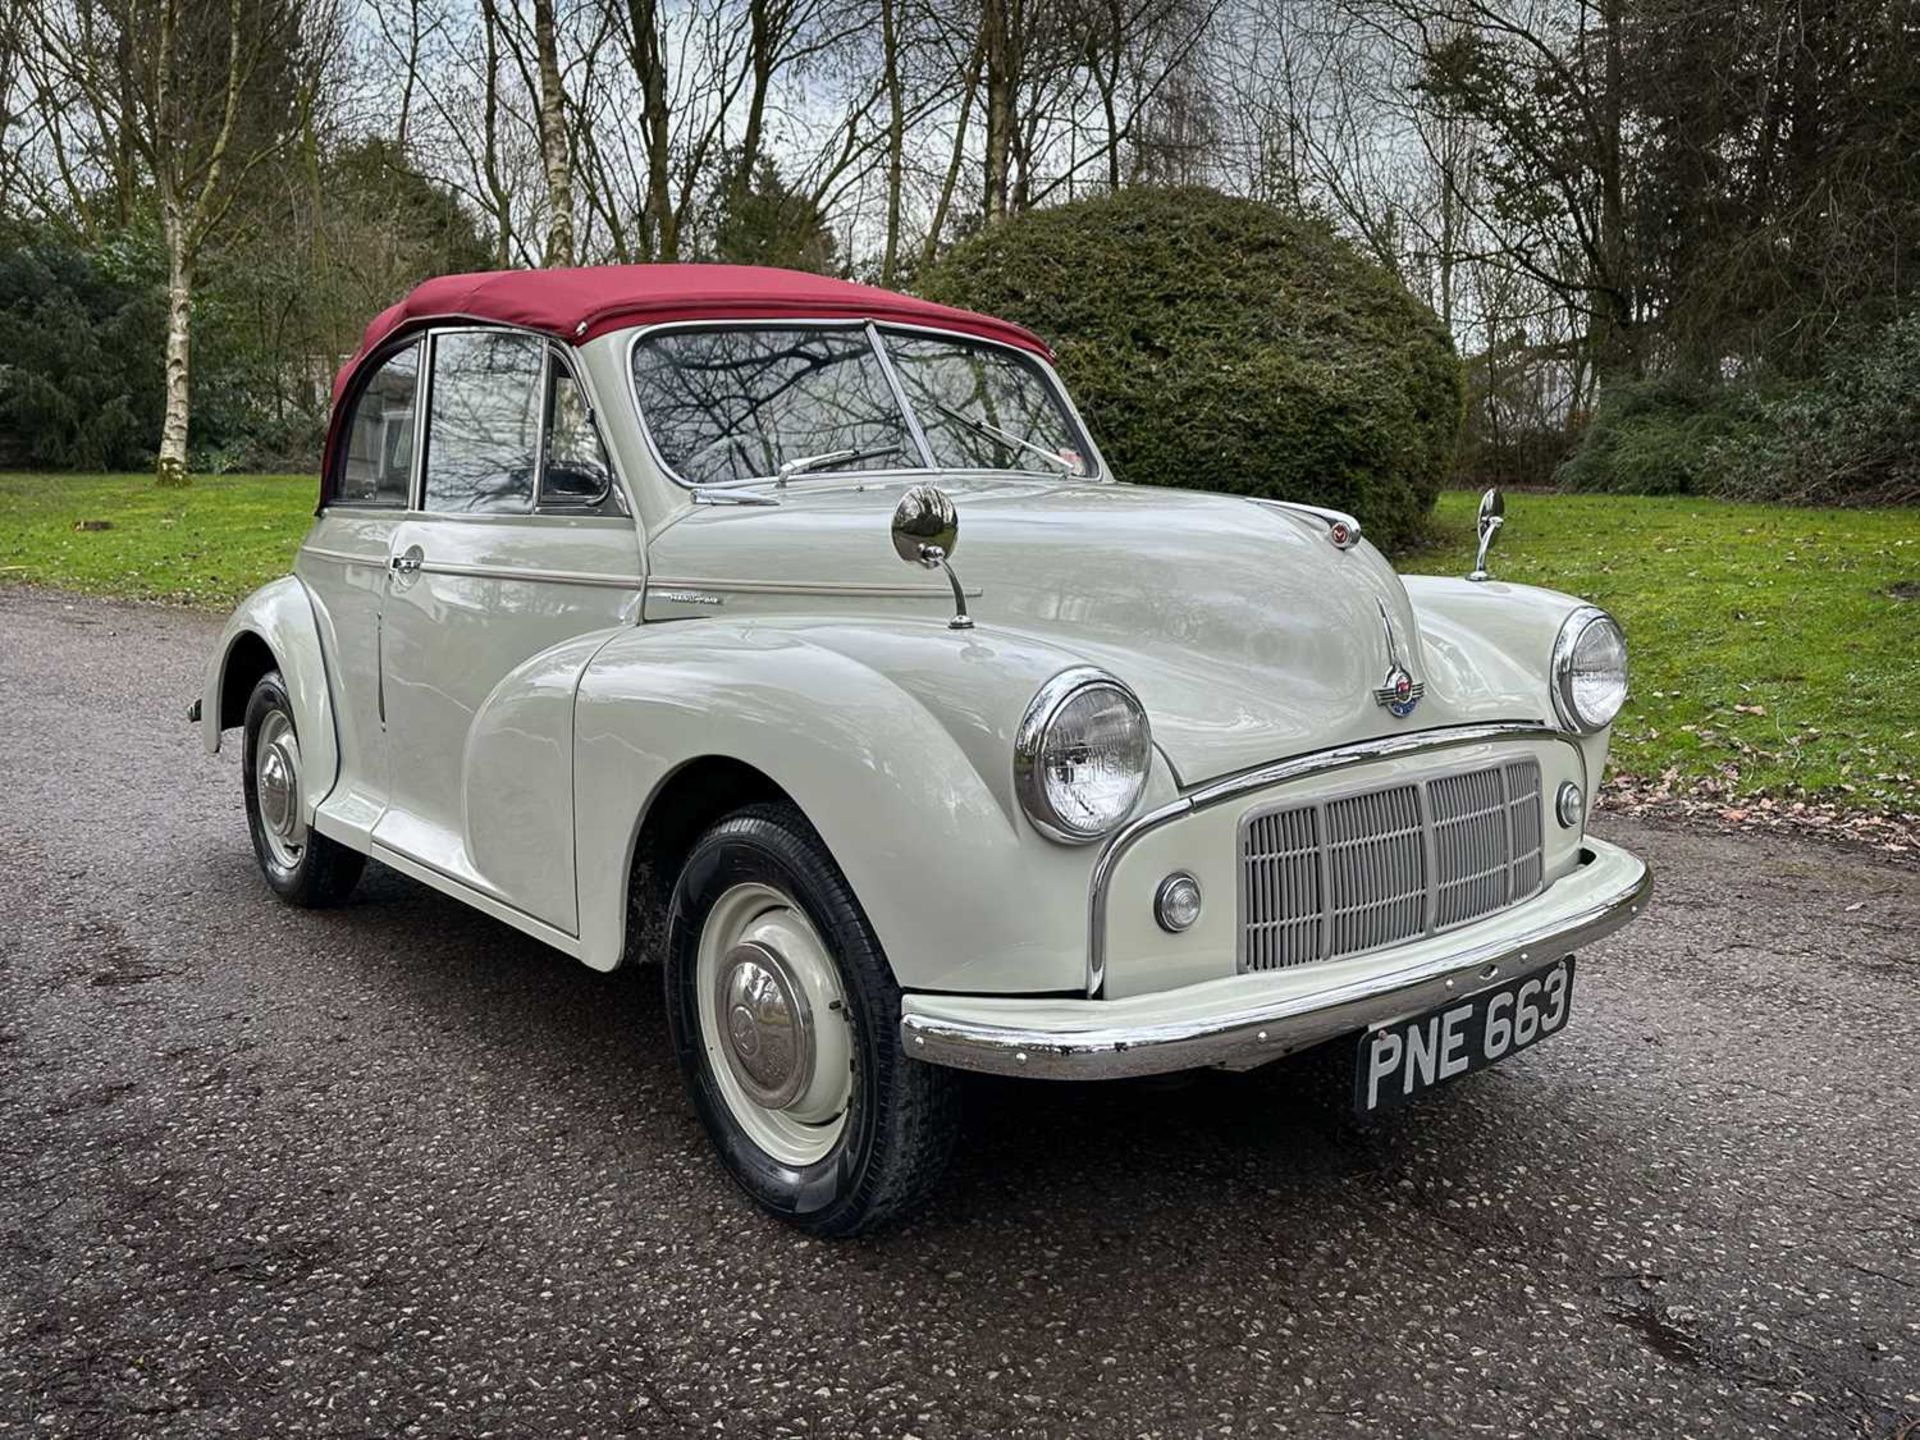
(578,305)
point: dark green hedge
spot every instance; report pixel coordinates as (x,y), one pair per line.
(80,357)
(1848,435)
(1220,344)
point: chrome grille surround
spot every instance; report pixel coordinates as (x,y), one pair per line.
(1357,872)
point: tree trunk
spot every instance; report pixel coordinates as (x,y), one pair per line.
(996,43)
(930,247)
(553,139)
(1616,346)
(896,137)
(172,466)
(649,66)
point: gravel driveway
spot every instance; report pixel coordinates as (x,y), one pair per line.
(396,1169)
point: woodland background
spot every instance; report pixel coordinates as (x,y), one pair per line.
(1674,242)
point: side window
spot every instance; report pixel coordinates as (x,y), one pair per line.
(575,473)
(483,422)
(378,467)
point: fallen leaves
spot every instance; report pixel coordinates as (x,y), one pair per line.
(1709,800)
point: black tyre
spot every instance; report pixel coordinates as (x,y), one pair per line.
(786,1021)
(303,867)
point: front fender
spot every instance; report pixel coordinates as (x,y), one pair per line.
(893,738)
(1491,644)
(279,615)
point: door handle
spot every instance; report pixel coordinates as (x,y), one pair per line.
(408,561)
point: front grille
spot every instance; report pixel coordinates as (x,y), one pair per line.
(1341,876)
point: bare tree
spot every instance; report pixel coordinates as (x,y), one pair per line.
(188,99)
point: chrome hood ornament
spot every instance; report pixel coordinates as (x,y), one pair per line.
(1401,692)
(1493,514)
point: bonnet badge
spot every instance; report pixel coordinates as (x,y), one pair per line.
(1401,692)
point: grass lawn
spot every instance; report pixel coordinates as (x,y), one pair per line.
(208,544)
(1770,655)
(1767,650)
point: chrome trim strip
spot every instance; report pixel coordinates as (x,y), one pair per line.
(1324,514)
(1248,781)
(346,557)
(531,576)
(900,396)
(1263,1032)
(812,587)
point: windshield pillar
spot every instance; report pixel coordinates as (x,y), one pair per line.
(900,395)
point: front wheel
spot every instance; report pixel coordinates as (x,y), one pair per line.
(303,867)
(785,1018)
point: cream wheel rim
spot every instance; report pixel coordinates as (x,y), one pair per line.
(276,789)
(773,1023)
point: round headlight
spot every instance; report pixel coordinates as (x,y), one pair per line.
(1589,670)
(1080,757)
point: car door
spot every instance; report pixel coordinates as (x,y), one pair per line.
(522,540)
(344,565)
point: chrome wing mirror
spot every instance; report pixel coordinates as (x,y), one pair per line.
(926,527)
(1493,514)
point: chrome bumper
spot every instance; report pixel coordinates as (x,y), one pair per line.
(1247,1020)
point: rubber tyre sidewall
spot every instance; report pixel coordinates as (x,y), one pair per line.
(326,871)
(898,1130)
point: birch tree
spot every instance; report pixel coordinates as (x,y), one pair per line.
(187,99)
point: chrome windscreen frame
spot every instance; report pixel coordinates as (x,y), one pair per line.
(1097,473)
(1251,782)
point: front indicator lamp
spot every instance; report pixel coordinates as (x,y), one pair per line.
(1176,904)
(1569,806)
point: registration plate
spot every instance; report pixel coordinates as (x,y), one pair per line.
(1405,1058)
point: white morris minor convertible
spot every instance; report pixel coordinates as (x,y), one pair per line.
(633,615)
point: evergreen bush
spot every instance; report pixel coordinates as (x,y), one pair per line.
(1220,344)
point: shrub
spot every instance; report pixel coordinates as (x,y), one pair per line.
(1852,437)
(80,360)
(1849,436)
(1220,344)
(1656,437)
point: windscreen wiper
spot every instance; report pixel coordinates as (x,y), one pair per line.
(801,465)
(987,427)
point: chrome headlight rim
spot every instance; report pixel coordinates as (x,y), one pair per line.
(1029,743)
(1565,646)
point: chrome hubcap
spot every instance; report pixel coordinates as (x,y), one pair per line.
(766,1031)
(276,788)
(773,1021)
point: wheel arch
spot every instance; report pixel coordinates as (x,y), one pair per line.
(688,801)
(274,629)
(248,659)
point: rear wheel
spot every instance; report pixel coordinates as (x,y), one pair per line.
(785,1018)
(303,867)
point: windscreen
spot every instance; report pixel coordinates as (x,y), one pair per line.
(735,404)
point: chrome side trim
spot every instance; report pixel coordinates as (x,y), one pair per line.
(1257,1033)
(347,557)
(809,587)
(532,576)
(1247,782)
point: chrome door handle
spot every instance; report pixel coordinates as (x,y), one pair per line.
(407,563)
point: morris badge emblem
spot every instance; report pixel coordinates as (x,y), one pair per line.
(1401,692)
